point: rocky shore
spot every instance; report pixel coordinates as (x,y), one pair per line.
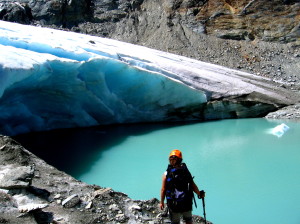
(31,191)
(287,113)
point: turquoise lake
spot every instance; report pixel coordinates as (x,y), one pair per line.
(249,175)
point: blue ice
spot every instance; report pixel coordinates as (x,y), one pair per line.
(52,79)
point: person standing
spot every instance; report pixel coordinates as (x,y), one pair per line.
(178,187)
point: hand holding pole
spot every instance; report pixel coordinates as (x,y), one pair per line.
(202,196)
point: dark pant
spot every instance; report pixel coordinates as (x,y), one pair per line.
(175,216)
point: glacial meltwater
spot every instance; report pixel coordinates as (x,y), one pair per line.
(249,174)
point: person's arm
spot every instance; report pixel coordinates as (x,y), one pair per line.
(163,192)
(201,194)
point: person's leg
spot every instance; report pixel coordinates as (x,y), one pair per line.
(174,217)
(187,217)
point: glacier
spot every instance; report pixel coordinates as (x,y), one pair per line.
(52,79)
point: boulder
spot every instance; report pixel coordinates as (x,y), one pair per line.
(71,201)
(16,12)
(15,176)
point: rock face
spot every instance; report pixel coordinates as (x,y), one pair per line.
(54,12)
(33,192)
(238,20)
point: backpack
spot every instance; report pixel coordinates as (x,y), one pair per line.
(179,192)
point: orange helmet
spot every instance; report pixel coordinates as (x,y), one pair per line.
(176,152)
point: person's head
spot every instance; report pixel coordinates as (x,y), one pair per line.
(175,157)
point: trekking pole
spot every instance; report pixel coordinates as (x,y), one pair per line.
(203,204)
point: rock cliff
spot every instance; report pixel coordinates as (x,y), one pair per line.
(228,19)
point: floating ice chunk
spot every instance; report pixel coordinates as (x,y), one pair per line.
(279,130)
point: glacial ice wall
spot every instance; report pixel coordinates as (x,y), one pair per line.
(56,79)
(48,81)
